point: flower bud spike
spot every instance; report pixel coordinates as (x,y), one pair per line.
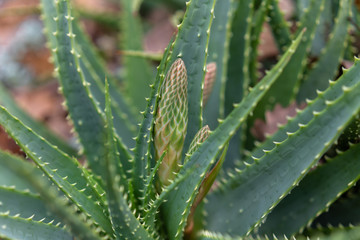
(199,138)
(209,81)
(171,121)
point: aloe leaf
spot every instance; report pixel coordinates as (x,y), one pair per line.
(191,45)
(301,6)
(313,195)
(267,180)
(279,26)
(176,209)
(82,107)
(7,101)
(219,52)
(19,228)
(11,180)
(323,29)
(345,211)
(237,76)
(306,114)
(283,90)
(237,79)
(149,189)
(58,205)
(336,233)
(94,72)
(125,225)
(259,16)
(327,65)
(138,73)
(24,205)
(123,118)
(60,168)
(256,29)
(142,156)
(153,207)
(95,64)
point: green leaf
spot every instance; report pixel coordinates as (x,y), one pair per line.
(237,81)
(125,225)
(339,233)
(191,45)
(7,101)
(60,168)
(176,210)
(19,228)
(323,29)
(267,180)
(279,26)
(25,205)
(256,29)
(218,52)
(328,63)
(314,194)
(11,180)
(345,211)
(79,225)
(82,107)
(283,90)
(94,72)
(138,72)
(306,114)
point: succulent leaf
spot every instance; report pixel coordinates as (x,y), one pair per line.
(25,205)
(256,29)
(341,173)
(93,71)
(218,52)
(238,77)
(58,167)
(125,224)
(79,225)
(280,28)
(326,67)
(7,101)
(19,228)
(137,82)
(283,91)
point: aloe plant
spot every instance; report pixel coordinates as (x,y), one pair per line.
(191,169)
